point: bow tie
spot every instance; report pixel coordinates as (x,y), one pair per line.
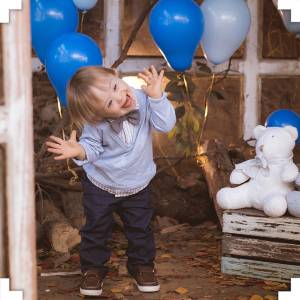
(132,117)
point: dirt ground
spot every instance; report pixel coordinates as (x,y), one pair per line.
(188,265)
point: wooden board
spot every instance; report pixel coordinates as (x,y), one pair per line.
(262,249)
(3,229)
(259,269)
(251,222)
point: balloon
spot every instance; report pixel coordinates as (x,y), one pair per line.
(49,20)
(284,117)
(226,26)
(177,27)
(66,55)
(285,15)
(85,4)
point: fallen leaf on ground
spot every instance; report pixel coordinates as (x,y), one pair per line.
(256,297)
(116,290)
(270,297)
(181,290)
(166,255)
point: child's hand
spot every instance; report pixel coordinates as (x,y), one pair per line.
(153,87)
(66,149)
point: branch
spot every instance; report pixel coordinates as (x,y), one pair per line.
(134,32)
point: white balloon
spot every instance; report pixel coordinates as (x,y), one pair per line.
(85,4)
(285,15)
(226,26)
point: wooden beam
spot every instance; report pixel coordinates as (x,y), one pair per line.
(3,124)
(20,168)
(113,10)
(3,229)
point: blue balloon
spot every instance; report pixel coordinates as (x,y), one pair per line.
(177,27)
(284,117)
(226,26)
(49,20)
(66,55)
(85,4)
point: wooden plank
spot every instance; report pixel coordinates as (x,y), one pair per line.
(259,269)
(20,169)
(3,124)
(3,232)
(113,10)
(253,223)
(260,248)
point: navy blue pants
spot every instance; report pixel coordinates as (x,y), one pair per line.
(136,213)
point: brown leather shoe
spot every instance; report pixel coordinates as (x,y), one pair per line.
(145,277)
(91,283)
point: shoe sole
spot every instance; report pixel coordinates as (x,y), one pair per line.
(90,292)
(148,289)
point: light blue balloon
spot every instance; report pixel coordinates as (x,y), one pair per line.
(285,14)
(293,27)
(226,26)
(85,4)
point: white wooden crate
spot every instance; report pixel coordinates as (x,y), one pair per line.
(258,246)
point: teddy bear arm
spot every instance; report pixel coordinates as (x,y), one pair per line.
(237,176)
(290,172)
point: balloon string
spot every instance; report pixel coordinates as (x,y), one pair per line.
(186,89)
(81,21)
(75,176)
(206,108)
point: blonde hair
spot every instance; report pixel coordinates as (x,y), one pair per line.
(81,94)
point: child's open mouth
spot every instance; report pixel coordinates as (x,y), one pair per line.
(128,102)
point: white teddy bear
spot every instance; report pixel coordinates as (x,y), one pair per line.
(271,173)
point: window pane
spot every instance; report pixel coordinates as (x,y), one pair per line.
(277,41)
(143,44)
(278,93)
(92,25)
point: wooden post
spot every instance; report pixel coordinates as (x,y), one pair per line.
(19,154)
(3,236)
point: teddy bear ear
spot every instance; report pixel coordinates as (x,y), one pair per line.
(292,131)
(258,131)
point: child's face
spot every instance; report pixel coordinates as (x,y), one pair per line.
(117,100)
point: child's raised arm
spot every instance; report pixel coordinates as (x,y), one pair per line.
(66,149)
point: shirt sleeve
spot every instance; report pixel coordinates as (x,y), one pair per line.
(162,116)
(91,141)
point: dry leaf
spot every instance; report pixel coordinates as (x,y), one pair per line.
(116,290)
(270,297)
(166,255)
(181,290)
(256,297)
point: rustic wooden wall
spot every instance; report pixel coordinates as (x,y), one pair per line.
(144,45)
